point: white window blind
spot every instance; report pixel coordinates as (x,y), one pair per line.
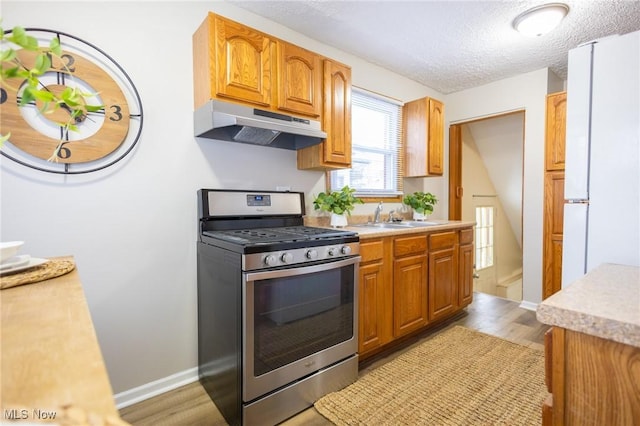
(376,137)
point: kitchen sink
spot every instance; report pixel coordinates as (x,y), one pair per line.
(398,225)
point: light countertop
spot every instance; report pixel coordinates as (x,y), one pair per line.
(604,303)
(442,225)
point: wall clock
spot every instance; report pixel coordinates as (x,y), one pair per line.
(102,138)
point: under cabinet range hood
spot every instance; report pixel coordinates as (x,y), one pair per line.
(231,122)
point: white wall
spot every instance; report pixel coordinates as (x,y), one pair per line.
(477,180)
(132,227)
(524,92)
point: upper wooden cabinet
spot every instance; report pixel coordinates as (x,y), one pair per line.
(335,151)
(299,80)
(424,133)
(232,61)
(238,63)
(556,130)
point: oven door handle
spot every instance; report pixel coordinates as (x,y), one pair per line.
(291,272)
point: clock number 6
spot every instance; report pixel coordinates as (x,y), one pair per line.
(64,152)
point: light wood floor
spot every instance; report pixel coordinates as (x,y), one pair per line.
(190,405)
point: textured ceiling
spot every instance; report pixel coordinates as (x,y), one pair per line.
(449,45)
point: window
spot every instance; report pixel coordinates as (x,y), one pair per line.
(484,237)
(376,138)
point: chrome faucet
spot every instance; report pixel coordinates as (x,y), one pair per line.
(376,214)
(391,216)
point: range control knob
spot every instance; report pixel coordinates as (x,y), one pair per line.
(287,257)
(312,254)
(271,260)
(346,250)
(331,251)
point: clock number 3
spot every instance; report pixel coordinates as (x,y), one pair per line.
(117,113)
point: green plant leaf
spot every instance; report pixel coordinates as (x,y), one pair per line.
(8,55)
(43,95)
(94,108)
(54,45)
(42,65)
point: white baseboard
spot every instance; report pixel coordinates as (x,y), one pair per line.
(529,305)
(157,387)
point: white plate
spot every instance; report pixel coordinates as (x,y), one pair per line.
(33,262)
(9,249)
(15,262)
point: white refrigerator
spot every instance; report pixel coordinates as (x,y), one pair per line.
(602,161)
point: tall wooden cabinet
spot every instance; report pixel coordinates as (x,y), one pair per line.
(443,274)
(554,193)
(424,137)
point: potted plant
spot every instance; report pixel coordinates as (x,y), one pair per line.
(422,204)
(338,203)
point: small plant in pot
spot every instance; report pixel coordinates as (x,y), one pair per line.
(338,203)
(422,204)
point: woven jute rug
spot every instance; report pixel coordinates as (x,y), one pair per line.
(459,377)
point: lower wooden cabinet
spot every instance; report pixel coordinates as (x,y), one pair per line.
(408,282)
(593,381)
(443,275)
(374,291)
(465,268)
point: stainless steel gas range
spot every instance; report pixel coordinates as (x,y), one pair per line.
(277,305)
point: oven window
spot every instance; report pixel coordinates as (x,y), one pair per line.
(297,316)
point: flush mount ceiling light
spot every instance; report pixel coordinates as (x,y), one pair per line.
(540,19)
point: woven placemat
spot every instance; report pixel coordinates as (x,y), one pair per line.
(51,269)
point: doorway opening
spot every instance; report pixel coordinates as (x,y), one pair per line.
(486,186)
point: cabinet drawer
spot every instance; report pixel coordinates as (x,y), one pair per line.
(409,245)
(442,240)
(371,250)
(466,236)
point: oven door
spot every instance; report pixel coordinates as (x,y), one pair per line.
(296,322)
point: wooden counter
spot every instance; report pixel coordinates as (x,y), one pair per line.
(50,353)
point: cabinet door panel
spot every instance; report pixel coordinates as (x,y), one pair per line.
(244,58)
(465,275)
(409,294)
(337,113)
(436,137)
(299,80)
(556,130)
(443,282)
(553,232)
(424,137)
(371,309)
